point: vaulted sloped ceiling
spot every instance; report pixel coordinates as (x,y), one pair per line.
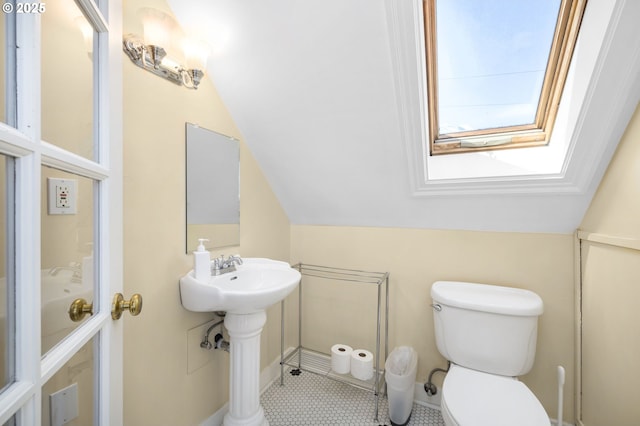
(320,93)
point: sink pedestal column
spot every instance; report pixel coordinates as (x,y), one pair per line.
(244,371)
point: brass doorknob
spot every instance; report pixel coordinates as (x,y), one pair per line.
(119,305)
(79,308)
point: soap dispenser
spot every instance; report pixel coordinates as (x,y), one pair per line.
(202,262)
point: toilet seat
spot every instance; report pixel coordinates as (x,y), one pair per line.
(474,398)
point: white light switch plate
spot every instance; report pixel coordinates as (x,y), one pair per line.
(64,405)
(62,196)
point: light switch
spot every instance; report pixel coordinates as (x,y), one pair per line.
(64,405)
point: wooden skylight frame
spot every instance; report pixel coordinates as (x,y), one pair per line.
(526,135)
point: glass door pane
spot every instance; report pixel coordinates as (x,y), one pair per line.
(7,68)
(3,53)
(7,283)
(67,398)
(67,274)
(67,78)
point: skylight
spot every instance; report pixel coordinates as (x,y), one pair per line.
(496,69)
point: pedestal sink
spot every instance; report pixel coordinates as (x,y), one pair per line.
(244,294)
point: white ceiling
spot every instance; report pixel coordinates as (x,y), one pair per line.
(326,95)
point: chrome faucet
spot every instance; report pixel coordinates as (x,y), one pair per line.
(73,267)
(220,265)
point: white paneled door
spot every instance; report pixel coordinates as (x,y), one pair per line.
(60,212)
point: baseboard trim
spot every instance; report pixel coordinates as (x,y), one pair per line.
(217,418)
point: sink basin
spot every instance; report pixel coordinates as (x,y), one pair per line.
(244,294)
(255,285)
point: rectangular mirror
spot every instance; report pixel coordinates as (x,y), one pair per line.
(213,188)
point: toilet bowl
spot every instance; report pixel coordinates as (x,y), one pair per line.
(475,398)
(489,335)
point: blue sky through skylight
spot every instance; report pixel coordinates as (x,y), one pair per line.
(492,56)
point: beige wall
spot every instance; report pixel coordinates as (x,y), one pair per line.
(610,291)
(158,389)
(615,209)
(416,258)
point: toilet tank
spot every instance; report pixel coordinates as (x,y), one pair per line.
(486,327)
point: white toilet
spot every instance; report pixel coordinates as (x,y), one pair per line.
(489,334)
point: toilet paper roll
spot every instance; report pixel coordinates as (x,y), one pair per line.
(341,358)
(362,364)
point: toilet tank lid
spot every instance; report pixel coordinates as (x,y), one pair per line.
(487,298)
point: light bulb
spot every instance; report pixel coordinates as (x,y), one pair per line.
(157,26)
(196,52)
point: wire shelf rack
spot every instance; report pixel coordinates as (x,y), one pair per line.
(306,359)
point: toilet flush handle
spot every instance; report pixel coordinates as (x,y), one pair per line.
(436,306)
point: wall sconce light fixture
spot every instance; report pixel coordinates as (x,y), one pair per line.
(148,53)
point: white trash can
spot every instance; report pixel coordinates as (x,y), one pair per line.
(400,374)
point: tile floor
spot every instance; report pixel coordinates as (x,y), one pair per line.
(314,400)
